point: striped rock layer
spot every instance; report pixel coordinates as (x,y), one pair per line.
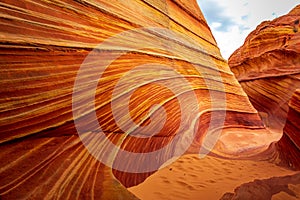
(268,67)
(55,102)
(289,145)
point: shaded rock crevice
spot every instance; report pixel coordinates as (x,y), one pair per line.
(266,189)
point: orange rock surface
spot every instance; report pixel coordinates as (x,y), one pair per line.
(268,67)
(44,44)
(289,145)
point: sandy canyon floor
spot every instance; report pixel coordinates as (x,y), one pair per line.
(191,177)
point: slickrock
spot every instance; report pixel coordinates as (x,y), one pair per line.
(43,47)
(289,145)
(286,187)
(268,67)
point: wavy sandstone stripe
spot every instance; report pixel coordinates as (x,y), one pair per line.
(268,67)
(289,145)
(42,45)
(55,167)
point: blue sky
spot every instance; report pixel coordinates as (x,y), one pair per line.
(232,20)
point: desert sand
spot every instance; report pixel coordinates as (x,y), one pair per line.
(191,177)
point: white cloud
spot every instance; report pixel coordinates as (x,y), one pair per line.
(232,20)
(215,25)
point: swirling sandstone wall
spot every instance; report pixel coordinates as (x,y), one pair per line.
(42,46)
(268,68)
(289,145)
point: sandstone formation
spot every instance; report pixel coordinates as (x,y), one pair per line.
(46,97)
(286,187)
(289,145)
(268,67)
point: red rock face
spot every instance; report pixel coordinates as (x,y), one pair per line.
(43,46)
(288,146)
(268,67)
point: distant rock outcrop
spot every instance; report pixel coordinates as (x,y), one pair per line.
(268,67)
(44,44)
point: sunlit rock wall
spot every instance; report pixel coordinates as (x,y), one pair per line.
(268,67)
(44,46)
